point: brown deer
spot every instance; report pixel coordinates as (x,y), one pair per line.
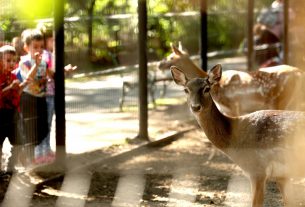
(241,92)
(265,144)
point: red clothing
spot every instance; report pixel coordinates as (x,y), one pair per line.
(9,99)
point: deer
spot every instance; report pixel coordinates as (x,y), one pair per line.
(240,92)
(265,144)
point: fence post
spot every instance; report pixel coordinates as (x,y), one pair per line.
(59,78)
(285,32)
(203,34)
(250,53)
(142,40)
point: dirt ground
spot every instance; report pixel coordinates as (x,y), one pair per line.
(187,172)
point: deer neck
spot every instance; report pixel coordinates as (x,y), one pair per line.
(217,127)
(190,69)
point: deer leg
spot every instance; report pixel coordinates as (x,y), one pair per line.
(258,190)
(286,190)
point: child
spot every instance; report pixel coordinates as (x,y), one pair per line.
(10,88)
(17,43)
(33,105)
(43,152)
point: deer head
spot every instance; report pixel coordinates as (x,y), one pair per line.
(177,56)
(182,60)
(198,89)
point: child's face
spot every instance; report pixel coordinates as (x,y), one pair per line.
(35,46)
(8,62)
(49,44)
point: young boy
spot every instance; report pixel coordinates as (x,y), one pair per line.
(10,88)
(33,106)
(43,152)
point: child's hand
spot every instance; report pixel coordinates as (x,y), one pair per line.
(38,58)
(15,84)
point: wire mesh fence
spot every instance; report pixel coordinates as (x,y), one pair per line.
(102,101)
(103,43)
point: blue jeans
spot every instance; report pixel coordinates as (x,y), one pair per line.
(44,147)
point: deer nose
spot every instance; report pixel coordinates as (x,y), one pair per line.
(195,107)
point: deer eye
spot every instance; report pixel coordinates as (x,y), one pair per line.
(186,91)
(205,90)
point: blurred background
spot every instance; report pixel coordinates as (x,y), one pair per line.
(101,37)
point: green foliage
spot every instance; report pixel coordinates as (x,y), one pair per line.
(33,9)
(226,27)
(114,26)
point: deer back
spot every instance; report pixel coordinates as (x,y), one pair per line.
(271,88)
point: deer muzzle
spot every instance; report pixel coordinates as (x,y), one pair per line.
(195,108)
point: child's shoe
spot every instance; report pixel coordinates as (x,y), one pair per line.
(50,157)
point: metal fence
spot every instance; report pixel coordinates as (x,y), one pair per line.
(97,88)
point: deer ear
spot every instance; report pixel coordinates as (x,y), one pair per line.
(215,74)
(176,50)
(180,46)
(178,76)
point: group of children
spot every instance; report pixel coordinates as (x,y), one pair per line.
(27,98)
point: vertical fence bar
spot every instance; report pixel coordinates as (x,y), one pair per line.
(142,40)
(59,82)
(204,34)
(285,32)
(250,53)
